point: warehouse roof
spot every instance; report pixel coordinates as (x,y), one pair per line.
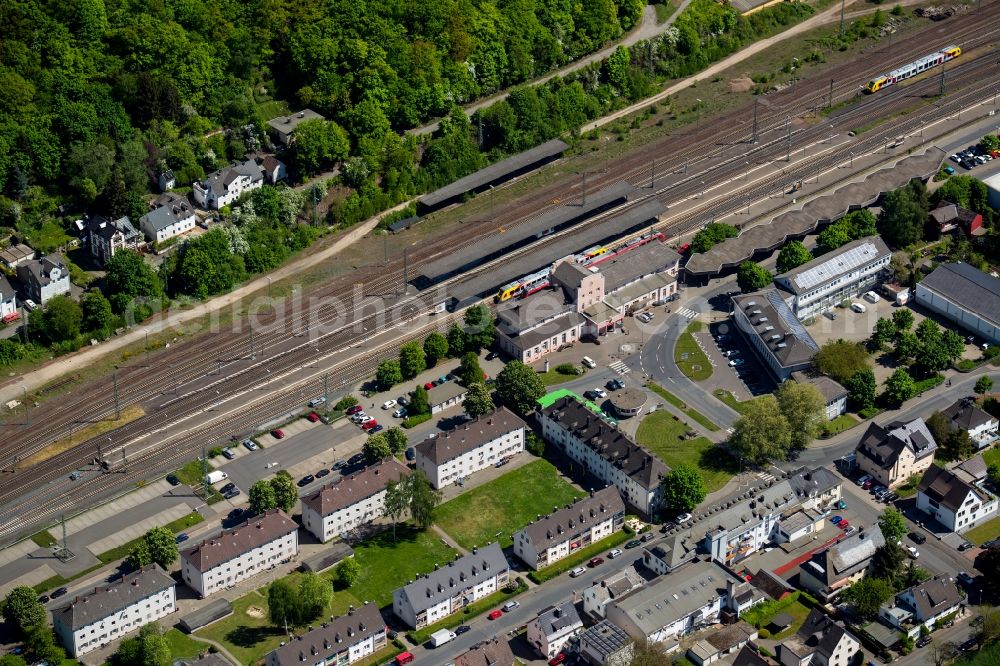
(115,597)
(469,436)
(493,173)
(350,490)
(967,287)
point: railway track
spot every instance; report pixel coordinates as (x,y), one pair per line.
(198,382)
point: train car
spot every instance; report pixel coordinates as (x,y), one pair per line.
(913,68)
(535,282)
(507,292)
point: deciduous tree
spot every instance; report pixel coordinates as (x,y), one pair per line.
(983,385)
(867,596)
(396,439)
(479,328)
(396,501)
(761,433)
(282,605)
(903,319)
(892,524)
(412,360)
(804,409)
(376,448)
(435,348)
(346,574)
(149,648)
(904,212)
(793,255)
(314,597)
(840,359)
(519,387)
(469,372)
(162,546)
(683,489)
(862,388)
(457,340)
(423,499)
(139,556)
(62,319)
(388,374)
(285,493)
(262,497)
(21,609)
(714,232)
(419,402)
(899,387)
(883,333)
(752,277)
(478,401)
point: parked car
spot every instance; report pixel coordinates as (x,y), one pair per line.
(600,393)
(351,411)
(411,453)
(859,308)
(226,488)
(913,552)
(595,562)
(58,593)
(312,417)
(966,546)
(323,472)
(831,315)
(965,579)
(369,424)
(388,404)
(683,518)
(173,480)
(278,434)
(648,536)
(461,629)
(372,431)
(231,494)
(44,599)
(579,571)
(917,537)
(841,504)
(924,641)
(228,453)
(558,659)
(316,402)
(510,605)
(363,418)
(836,520)
(339,464)
(862,480)
(250,445)
(429,385)
(306,480)
(871,297)
(850,530)
(634,543)
(868,484)
(615,552)
(74,476)
(495,614)
(400,413)
(182,537)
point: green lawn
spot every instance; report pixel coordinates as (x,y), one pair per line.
(730,399)
(385,565)
(983,533)
(661,433)
(992,456)
(909,487)
(689,357)
(504,505)
(839,424)
(552,377)
(183,646)
(693,414)
(44,539)
(799,612)
(122,551)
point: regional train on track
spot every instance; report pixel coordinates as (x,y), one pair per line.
(913,68)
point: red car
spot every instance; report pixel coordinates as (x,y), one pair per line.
(597,561)
(351,411)
(429,385)
(868,484)
(368,425)
(403,658)
(313,417)
(843,524)
(278,434)
(558,659)
(495,614)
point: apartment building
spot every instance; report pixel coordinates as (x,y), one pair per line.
(893,453)
(492,652)
(827,572)
(923,605)
(563,532)
(355,500)
(44,279)
(221,188)
(92,621)
(553,628)
(450,588)
(171,216)
(341,641)
(597,597)
(952,501)
(240,553)
(470,447)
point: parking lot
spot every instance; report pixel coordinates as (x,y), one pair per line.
(737,368)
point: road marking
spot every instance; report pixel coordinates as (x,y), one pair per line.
(764,476)
(620,367)
(687,312)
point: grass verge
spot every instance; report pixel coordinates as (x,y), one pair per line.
(44,539)
(183,646)
(579,557)
(693,414)
(668,438)
(497,509)
(474,609)
(129,414)
(415,420)
(175,526)
(58,581)
(838,425)
(553,377)
(729,399)
(689,357)
(983,533)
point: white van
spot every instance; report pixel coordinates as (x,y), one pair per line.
(858,307)
(215,476)
(589,362)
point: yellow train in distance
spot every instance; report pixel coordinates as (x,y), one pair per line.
(913,68)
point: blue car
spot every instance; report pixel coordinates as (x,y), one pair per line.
(836,520)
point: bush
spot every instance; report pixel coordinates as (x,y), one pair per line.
(346,403)
(567,369)
(869,412)
(415,420)
(215,452)
(764,633)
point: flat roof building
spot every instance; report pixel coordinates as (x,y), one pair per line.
(284,126)
(966,296)
(605,644)
(774,333)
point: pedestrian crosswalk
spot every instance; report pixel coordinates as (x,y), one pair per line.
(687,312)
(730,430)
(765,477)
(620,367)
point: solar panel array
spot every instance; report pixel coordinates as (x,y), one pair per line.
(842,263)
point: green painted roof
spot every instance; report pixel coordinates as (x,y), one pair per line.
(548,399)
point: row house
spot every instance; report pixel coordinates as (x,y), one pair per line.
(952,501)
(341,641)
(171,216)
(553,628)
(472,446)
(223,187)
(835,568)
(450,588)
(565,531)
(355,500)
(604,451)
(923,605)
(92,621)
(44,279)
(258,544)
(893,453)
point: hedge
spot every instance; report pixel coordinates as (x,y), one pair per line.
(419,636)
(582,555)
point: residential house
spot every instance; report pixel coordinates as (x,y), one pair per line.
(470,447)
(893,453)
(564,531)
(353,501)
(718,643)
(773,333)
(341,641)
(605,644)
(94,620)
(531,327)
(106,237)
(965,414)
(8,301)
(834,395)
(166,180)
(14,255)
(601,593)
(284,126)
(604,451)
(923,605)
(973,471)
(948,217)
(671,606)
(273,168)
(492,652)
(820,641)
(827,281)
(443,396)
(223,187)
(749,657)
(953,502)
(671,553)
(171,216)
(45,278)
(831,570)
(450,588)
(235,555)
(553,628)
(964,295)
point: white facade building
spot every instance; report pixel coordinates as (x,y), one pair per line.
(225,186)
(954,503)
(114,610)
(923,605)
(341,641)
(597,597)
(450,588)
(773,332)
(966,415)
(604,451)
(819,642)
(966,296)
(356,500)
(549,632)
(172,215)
(44,279)
(470,447)
(240,553)
(590,519)
(8,300)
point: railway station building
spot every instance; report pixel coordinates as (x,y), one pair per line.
(533,327)
(356,500)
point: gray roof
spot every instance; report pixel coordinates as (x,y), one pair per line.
(287,124)
(253,533)
(809,483)
(748,657)
(355,488)
(882,445)
(480,565)
(116,596)
(846,557)
(219,181)
(670,598)
(529,339)
(967,287)
(675,550)
(605,638)
(796,521)
(332,638)
(934,596)
(570,273)
(828,267)
(494,172)
(653,257)
(731,635)
(167,215)
(40,270)
(645,285)
(493,652)
(975,467)
(6,291)
(574,518)
(556,618)
(947,489)
(965,414)
(105,228)
(777,326)
(469,436)
(818,634)
(442,393)
(609,442)
(831,390)
(16,253)
(519,315)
